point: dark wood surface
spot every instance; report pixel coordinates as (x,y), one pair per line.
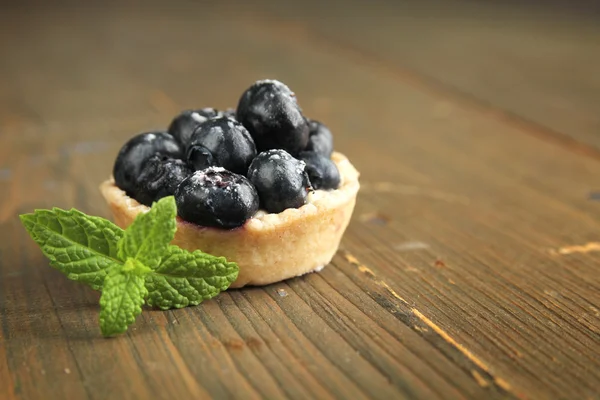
(470,268)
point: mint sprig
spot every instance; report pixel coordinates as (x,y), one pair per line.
(148,237)
(80,246)
(185,278)
(122,297)
(131,267)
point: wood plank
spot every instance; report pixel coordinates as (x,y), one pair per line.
(457,278)
(532,63)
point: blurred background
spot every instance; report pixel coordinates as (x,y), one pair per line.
(78,78)
(470,266)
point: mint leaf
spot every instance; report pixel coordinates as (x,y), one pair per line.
(122,297)
(130,266)
(148,237)
(80,246)
(187,278)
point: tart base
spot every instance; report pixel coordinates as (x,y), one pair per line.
(268,248)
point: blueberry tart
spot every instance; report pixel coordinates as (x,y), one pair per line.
(260,185)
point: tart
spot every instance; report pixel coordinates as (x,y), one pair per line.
(269,247)
(281,214)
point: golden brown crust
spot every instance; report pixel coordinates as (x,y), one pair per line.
(269,247)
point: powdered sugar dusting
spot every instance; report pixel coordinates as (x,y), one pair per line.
(198,118)
(278,154)
(202,175)
(230,123)
(300,167)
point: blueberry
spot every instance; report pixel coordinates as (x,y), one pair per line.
(159,178)
(279,179)
(268,109)
(199,157)
(230,113)
(216,197)
(224,140)
(137,151)
(209,112)
(322,172)
(320,139)
(187,121)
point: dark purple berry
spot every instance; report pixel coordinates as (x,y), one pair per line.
(183,125)
(210,112)
(280,180)
(268,109)
(216,197)
(320,139)
(322,172)
(137,151)
(226,141)
(159,178)
(199,157)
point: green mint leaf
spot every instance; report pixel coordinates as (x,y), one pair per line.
(187,278)
(80,246)
(122,297)
(130,266)
(148,237)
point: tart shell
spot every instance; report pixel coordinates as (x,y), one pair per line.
(268,248)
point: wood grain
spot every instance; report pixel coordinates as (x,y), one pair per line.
(529,64)
(469,269)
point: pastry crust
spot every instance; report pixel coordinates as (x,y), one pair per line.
(269,247)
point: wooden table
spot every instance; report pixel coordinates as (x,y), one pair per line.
(470,268)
